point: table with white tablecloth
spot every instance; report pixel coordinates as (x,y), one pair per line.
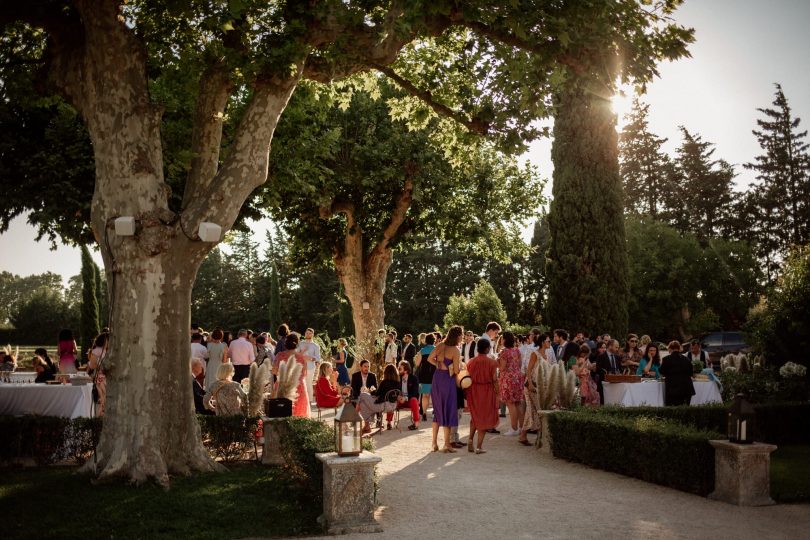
(67,400)
(651,393)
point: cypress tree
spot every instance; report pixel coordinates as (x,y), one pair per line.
(707,199)
(101,295)
(587,260)
(275,299)
(89,312)
(783,171)
(646,169)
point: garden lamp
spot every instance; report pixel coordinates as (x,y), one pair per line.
(348,431)
(741,421)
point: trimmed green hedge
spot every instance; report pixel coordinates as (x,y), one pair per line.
(52,438)
(633,446)
(776,423)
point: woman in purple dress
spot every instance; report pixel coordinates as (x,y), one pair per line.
(447,359)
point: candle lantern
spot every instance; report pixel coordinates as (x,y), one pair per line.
(348,431)
(741,421)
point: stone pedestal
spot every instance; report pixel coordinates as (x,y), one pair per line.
(544,437)
(742,473)
(348,493)
(271,450)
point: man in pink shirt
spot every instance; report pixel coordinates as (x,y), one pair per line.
(242,354)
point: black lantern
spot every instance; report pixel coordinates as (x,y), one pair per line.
(348,431)
(741,421)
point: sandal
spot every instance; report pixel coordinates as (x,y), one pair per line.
(448,450)
(470,446)
(413,427)
(524,442)
(479,451)
(435,447)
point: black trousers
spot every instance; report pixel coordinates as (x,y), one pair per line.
(673,400)
(241,372)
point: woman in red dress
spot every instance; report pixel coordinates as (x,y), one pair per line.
(326,393)
(482,395)
(301,404)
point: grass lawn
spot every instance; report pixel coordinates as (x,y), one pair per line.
(790,474)
(250,500)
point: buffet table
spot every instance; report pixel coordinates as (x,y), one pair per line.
(651,393)
(67,400)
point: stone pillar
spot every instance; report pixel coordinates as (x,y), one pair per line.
(742,473)
(544,437)
(271,450)
(348,493)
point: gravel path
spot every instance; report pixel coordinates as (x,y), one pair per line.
(514,491)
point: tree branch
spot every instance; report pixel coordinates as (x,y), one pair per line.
(476,125)
(215,88)
(246,167)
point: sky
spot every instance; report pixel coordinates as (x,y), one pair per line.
(742,48)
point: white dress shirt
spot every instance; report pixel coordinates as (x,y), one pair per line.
(242,352)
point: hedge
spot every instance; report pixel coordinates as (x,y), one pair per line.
(47,439)
(633,446)
(776,423)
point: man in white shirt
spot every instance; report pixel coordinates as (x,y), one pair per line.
(198,350)
(242,353)
(527,348)
(312,351)
(468,348)
(390,349)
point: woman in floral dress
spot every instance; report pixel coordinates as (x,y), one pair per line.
(510,381)
(588,392)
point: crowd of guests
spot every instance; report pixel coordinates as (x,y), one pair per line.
(424,376)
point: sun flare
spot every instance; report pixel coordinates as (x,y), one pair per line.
(622,104)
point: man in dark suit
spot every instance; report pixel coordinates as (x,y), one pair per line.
(408,350)
(363,379)
(410,393)
(677,372)
(607,363)
(468,347)
(565,349)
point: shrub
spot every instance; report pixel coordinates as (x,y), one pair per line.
(228,437)
(629,446)
(300,440)
(764,385)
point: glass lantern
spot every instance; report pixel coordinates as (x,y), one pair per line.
(741,421)
(348,431)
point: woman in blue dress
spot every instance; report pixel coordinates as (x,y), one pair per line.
(651,361)
(343,362)
(447,359)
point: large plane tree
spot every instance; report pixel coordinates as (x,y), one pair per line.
(128,69)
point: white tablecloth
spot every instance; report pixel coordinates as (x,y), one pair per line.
(651,393)
(46,399)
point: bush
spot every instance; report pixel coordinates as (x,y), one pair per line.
(764,385)
(228,437)
(300,440)
(629,446)
(780,327)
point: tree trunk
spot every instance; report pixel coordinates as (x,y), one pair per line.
(365,284)
(150,427)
